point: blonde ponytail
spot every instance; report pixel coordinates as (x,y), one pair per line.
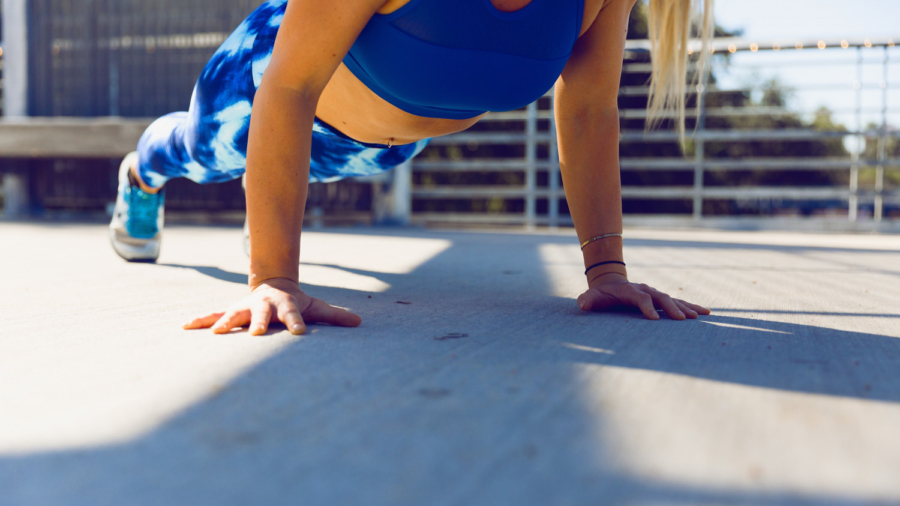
(670,26)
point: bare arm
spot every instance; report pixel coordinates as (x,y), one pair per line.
(588,125)
(313,39)
(587,118)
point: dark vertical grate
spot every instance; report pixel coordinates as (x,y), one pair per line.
(136,58)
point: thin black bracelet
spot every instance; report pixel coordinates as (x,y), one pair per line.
(603,263)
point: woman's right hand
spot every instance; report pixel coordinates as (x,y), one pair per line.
(276,299)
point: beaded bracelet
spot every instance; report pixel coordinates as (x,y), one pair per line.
(604,236)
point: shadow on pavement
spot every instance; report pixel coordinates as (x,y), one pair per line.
(213,272)
(817,313)
(388,414)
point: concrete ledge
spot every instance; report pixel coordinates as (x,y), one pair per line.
(70,137)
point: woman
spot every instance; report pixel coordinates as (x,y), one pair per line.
(355,87)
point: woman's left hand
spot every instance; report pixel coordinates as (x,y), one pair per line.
(614,289)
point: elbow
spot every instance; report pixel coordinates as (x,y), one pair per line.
(285,91)
(587,109)
(286,81)
(588,118)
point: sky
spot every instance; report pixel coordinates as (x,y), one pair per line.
(788,20)
(773,19)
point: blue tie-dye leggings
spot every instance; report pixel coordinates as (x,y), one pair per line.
(208,144)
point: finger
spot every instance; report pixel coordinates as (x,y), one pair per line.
(289,314)
(322,312)
(230,320)
(699,309)
(642,300)
(590,300)
(260,317)
(595,300)
(203,321)
(688,312)
(667,304)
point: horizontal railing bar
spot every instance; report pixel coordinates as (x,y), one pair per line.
(476,164)
(446,192)
(726,44)
(510,218)
(565,220)
(651,192)
(667,136)
(484,218)
(748,135)
(643,68)
(716,111)
(489,138)
(692,112)
(641,91)
(797,193)
(488,165)
(814,63)
(751,163)
(751,111)
(517,115)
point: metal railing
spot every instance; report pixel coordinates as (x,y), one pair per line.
(533,139)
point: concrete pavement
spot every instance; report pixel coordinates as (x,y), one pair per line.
(474,379)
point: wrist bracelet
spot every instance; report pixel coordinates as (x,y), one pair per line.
(603,263)
(604,236)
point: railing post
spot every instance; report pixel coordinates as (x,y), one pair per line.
(15,95)
(15,58)
(553,169)
(882,142)
(530,164)
(402,193)
(853,204)
(699,149)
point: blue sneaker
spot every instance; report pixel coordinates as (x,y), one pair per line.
(136,227)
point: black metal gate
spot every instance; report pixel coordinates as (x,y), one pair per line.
(135,58)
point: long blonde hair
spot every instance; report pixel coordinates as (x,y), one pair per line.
(670,24)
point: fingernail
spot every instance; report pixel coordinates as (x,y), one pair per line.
(297,326)
(681,314)
(656,314)
(582,304)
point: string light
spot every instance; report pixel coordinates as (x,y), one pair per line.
(821,44)
(732,48)
(798,46)
(891,42)
(845,44)
(754,47)
(867,43)
(776,47)
(1,51)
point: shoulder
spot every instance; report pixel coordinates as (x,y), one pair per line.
(592,9)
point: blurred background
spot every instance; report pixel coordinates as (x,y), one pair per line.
(796,126)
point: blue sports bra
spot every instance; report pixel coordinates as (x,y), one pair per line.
(458,59)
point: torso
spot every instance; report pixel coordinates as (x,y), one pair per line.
(348,105)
